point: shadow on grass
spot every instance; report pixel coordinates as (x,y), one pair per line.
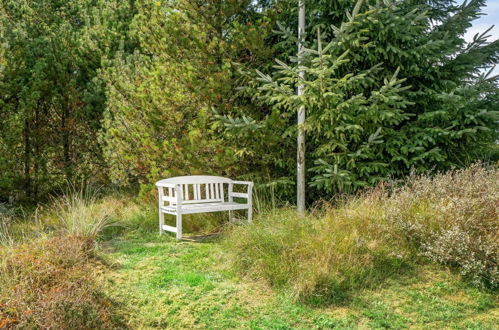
(329,291)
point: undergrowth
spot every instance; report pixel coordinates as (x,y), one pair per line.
(325,255)
(46,284)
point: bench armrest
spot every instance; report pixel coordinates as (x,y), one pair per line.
(248,194)
(243,182)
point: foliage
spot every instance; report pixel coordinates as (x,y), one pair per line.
(51,98)
(388,88)
(45,284)
(451,219)
(137,90)
(160,98)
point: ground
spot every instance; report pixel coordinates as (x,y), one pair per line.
(157,282)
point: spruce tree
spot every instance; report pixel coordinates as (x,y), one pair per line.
(394,87)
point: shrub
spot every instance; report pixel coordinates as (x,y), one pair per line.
(452,219)
(46,284)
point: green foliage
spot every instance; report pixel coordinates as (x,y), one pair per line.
(394,87)
(132,91)
(51,99)
(158,120)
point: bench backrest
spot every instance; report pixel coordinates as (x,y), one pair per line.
(195,189)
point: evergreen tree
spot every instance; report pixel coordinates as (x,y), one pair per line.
(395,88)
(160,98)
(51,100)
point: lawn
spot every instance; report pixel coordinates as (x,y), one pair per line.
(157,282)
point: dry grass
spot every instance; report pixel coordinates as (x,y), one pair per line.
(46,284)
(82,212)
(449,218)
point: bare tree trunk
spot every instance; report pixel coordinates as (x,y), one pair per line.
(300,155)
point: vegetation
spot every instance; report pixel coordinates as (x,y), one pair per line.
(377,260)
(118,94)
(45,284)
(132,91)
(450,219)
(162,284)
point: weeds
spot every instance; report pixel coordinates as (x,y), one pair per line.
(321,257)
(46,284)
(81,212)
(452,219)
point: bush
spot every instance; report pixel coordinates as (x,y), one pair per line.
(46,284)
(449,218)
(452,219)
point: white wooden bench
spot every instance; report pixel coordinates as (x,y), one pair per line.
(199,194)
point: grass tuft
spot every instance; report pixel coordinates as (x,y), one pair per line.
(326,255)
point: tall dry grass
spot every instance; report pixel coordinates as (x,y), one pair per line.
(449,218)
(83,212)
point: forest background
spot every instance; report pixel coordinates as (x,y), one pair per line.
(123,93)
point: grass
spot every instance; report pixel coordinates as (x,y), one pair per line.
(325,256)
(351,266)
(159,283)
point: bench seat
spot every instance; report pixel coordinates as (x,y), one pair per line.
(205,207)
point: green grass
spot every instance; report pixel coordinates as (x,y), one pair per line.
(160,283)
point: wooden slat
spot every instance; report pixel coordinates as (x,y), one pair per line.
(222,193)
(212,193)
(217,193)
(195,191)
(237,194)
(169,228)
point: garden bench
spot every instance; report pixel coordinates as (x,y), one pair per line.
(199,194)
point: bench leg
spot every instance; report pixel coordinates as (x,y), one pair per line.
(230,216)
(179,226)
(161,221)
(250,214)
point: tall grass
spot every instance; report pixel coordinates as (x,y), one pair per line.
(82,212)
(322,256)
(5,234)
(325,255)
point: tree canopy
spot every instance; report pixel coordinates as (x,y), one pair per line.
(127,92)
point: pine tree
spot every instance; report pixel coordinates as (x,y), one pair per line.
(160,98)
(395,88)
